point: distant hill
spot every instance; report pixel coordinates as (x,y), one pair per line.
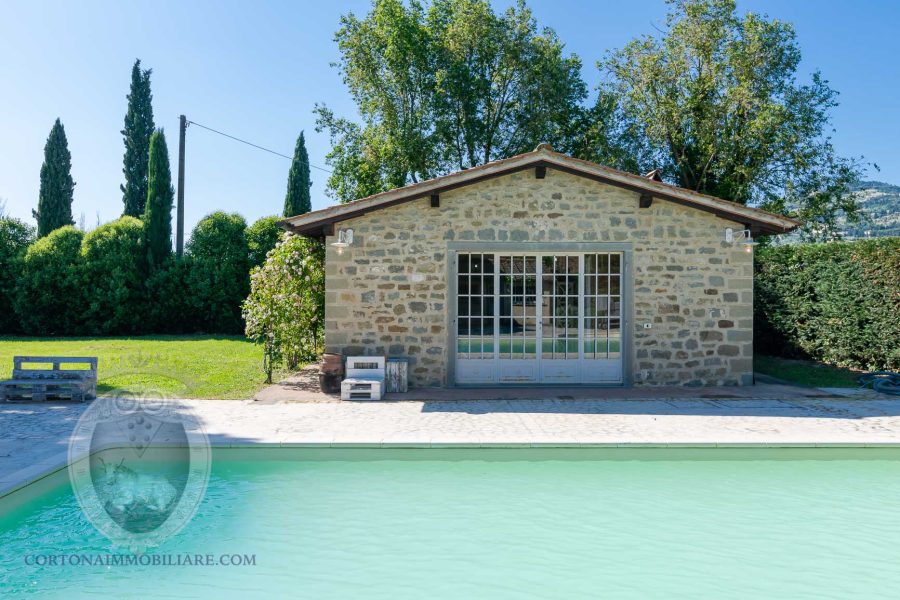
(879,204)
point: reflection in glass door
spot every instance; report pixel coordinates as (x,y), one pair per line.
(518,319)
(602,335)
(475,321)
(539,318)
(560,318)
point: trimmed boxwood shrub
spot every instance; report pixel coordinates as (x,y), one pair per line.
(50,299)
(838,302)
(171,308)
(15,236)
(115,269)
(219,278)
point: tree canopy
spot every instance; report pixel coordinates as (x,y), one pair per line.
(714,101)
(57,187)
(136,134)
(443,88)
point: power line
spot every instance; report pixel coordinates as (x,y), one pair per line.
(252,144)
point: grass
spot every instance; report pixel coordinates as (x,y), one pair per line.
(806,372)
(219,367)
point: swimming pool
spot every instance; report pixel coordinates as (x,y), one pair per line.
(500,523)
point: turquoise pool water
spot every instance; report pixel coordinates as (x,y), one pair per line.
(502,524)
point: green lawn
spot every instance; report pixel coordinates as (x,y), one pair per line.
(224,367)
(806,372)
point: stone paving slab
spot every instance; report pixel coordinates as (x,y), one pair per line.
(34,437)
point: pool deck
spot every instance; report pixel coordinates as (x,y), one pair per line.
(34,437)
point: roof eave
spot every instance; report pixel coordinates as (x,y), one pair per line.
(318,223)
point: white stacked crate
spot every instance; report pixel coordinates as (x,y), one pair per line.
(364,378)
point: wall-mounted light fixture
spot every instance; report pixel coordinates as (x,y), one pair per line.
(744,236)
(344,239)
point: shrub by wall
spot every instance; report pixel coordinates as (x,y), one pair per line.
(15,236)
(114,266)
(50,298)
(286,307)
(837,302)
(219,274)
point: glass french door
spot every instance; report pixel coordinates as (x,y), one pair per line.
(538,318)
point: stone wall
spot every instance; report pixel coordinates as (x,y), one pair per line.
(387,293)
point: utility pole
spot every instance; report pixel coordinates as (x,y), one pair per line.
(179,232)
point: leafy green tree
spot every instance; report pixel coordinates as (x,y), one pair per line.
(55,197)
(446,87)
(137,132)
(50,291)
(297,200)
(114,294)
(219,278)
(15,237)
(262,237)
(714,101)
(285,310)
(158,211)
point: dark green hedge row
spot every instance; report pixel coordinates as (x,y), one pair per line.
(837,302)
(102,282)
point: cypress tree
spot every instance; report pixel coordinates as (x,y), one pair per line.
(137,132)
(55,198)
(158,212)
(297,201)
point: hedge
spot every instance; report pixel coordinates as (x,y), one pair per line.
(115,267)
(219,277)
(101,283)
(50,293)
(15,237)
(838,302)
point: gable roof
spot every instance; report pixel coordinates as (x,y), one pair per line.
(321,222)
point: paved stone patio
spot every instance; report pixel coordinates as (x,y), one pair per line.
(34,437)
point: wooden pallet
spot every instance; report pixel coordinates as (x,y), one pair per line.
(38,385)
(18,390)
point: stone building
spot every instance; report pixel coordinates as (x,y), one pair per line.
(544,269)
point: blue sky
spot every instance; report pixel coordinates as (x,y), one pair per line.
(255,70)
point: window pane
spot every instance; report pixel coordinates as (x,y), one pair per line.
(487,263)
(488,284)
(518,264)
(603,263)
(463,263)
(462,284)
(615,264)
(476,263)
(603,285)
(615,350)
